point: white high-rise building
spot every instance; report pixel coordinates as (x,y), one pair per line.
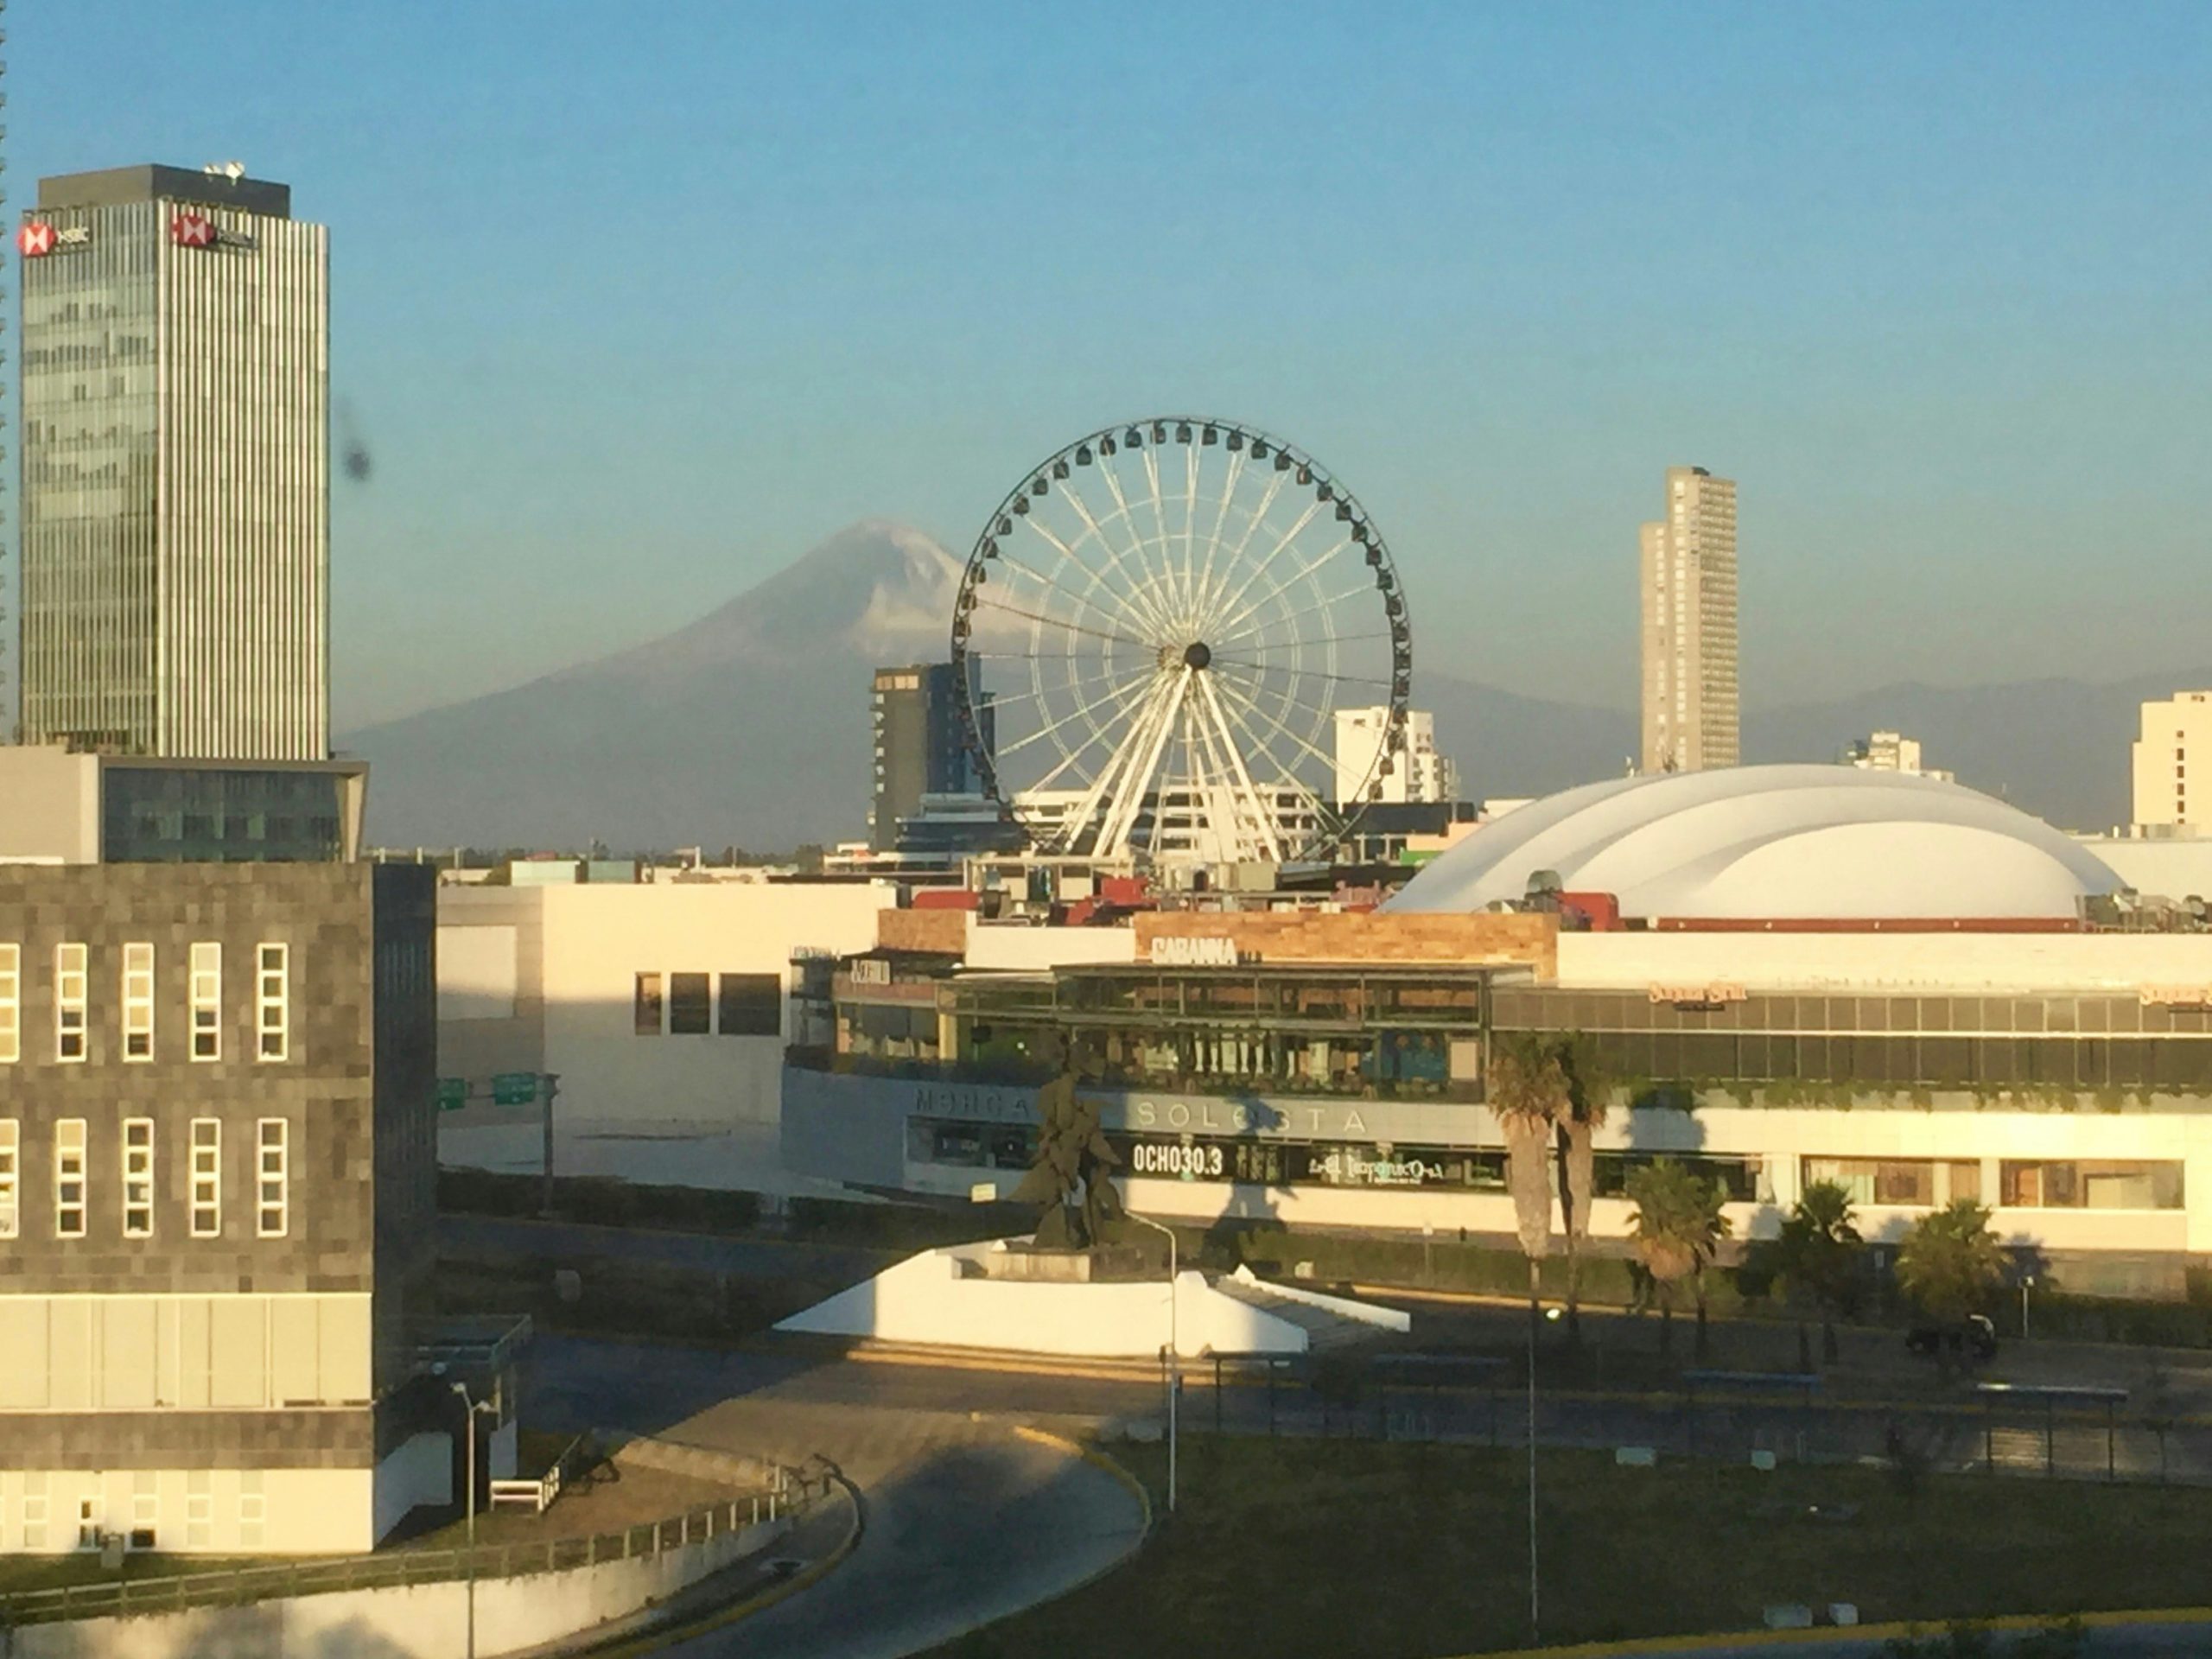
(2177,740)
(1691,719)
(1418,774)
(176,454)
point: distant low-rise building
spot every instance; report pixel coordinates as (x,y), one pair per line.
(1416,773)
(2175,731)
(1892,752)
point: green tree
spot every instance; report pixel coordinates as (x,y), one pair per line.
(1817,1255)
(1950,1262)
(1527,1087)
(1679,1227)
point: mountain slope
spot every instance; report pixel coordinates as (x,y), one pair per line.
(751,725)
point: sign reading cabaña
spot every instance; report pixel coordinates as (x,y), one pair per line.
(1195,950)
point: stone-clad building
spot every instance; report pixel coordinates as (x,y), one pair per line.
(217,1190)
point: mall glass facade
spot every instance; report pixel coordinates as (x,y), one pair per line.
(193,815)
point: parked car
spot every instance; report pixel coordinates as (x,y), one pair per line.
(1971,1338)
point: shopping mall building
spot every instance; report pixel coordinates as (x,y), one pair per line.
(1796,974)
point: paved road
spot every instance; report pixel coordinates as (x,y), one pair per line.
(966,1520)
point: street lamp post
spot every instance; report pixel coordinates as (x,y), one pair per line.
(469,1408)
(1536,1611)
(1174,1352)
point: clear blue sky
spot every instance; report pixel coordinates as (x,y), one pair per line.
(634,303)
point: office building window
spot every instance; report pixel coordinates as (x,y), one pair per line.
(648,1005)
(272,1182)
(138,1178)
(70,982)
(205,995)
(273,1001)
(10,1176)
(688,1011)
(207,1177)
(69,1178)
(253,1509)
(2090,1183)
(35,1500)
(199,1509)
(11,1003)
(145,1509)
(751,1004)
(1908,1181)
(137,1001)
(88,1523)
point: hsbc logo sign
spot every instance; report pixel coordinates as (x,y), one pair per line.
(198,231)
(38,239)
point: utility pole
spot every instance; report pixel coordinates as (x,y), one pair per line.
(1174,1350)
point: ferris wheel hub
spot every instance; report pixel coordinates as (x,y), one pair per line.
(1198,656)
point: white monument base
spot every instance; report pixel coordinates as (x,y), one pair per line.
(945,1298)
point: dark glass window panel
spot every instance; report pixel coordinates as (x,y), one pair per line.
(751,1004)
(690,1005)
(646,1008)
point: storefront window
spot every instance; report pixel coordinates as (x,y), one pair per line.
(2083,1184)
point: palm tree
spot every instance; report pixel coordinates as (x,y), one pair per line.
(1950,1262)
(1679,1227)
(1526,1087)
(1581,1113)
(1816,1255)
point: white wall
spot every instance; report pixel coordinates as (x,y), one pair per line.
(410,1621)
(1937,962)
(576,952)
(248,1512)
(991,945)
(928,1299)
(141,1353)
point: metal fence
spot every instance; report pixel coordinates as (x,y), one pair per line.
(792,1493)
(2053,1434)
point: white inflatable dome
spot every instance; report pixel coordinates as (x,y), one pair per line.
(1774,843)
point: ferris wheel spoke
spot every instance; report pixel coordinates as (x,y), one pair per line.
(1204,584)
(1297,529)
(1264,820)
(1252,701)
(1301,673)
(1120,613)
(1298,644)
(1208,601)
(1190,526)
(1289,780)
(1134,767)
(1134,596)
(1319,606)
(1070,757)
(1123,693)
(1279,589)
(1057,622)
(1164,578)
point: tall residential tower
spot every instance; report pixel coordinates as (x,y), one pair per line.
(175,491)
(1691,717)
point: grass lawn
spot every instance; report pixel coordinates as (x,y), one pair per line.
(1284,1549)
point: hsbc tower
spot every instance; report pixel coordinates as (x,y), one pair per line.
(175,539)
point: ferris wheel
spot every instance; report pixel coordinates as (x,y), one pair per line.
(1153,635)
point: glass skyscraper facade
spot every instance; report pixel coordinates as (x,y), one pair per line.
(175,491)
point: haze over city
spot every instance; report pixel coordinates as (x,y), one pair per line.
(637,305)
